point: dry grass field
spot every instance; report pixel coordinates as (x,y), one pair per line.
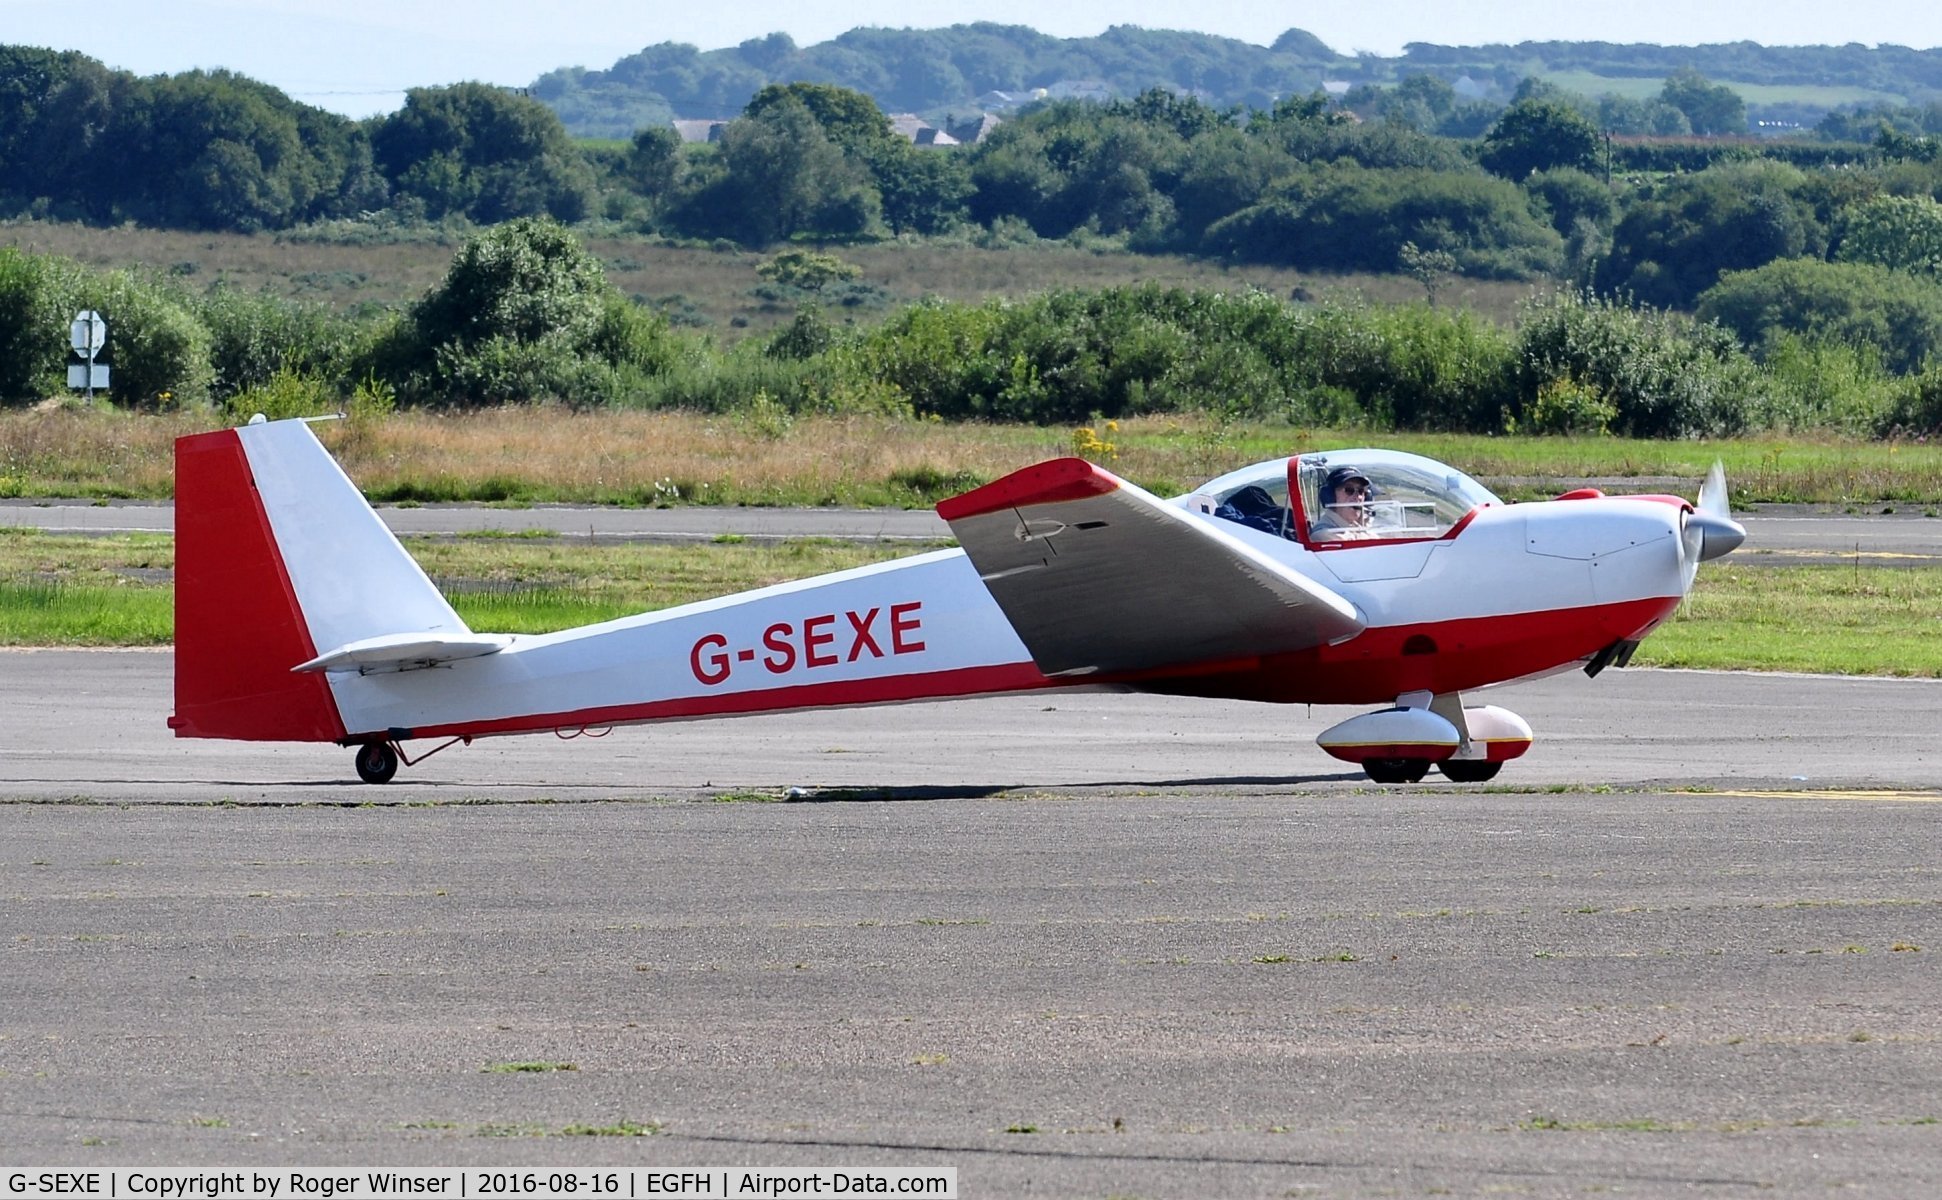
(542,453)
(709,287)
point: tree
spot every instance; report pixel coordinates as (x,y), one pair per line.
(782,175)
(1571,196)
(653,162)
(1311,109)
(1222,174)
(1903,232)
(1539,135)
(848,118)
(1431,268)
(1669,248)
(484,152)
(1895,144)
(1185,116)
(1421,101)
(1012,176)
(923,190)
(1710,108)
(55,108)
(1619,114)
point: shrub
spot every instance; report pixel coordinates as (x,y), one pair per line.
(1565,406)
(285,394)
(1344,218)
(524,313)
(33,325)
(253,339)
(807,269)
(1858,303)
(1816,383)
(1664,375)
(1915,408)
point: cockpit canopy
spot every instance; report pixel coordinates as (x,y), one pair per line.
(1313,497)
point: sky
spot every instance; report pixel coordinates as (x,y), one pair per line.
(357,57)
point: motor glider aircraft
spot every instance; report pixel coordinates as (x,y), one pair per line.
(1365,577)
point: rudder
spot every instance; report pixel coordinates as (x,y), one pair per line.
(279,560)
(238,628)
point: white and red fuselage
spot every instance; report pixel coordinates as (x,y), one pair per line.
(299,617)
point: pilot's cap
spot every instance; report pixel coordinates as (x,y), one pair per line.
(1341,475)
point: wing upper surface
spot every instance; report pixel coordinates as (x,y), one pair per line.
(1097,575)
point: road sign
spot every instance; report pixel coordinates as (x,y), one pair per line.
(88,333)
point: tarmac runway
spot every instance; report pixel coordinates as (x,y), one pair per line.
(1070,944)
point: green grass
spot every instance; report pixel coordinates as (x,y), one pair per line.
(1636,87)
(61,614)
(1828,619)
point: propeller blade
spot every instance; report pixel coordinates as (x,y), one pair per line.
(1720,534)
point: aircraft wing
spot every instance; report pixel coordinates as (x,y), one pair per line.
(1099,576)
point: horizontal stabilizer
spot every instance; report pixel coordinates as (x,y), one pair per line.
(1099,576)
(406,652)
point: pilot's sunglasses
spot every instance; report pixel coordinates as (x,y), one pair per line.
(1353,489)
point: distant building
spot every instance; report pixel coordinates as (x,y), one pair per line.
(1007,101)
(913,128)
(1080,89)
(973,130)
(705,130)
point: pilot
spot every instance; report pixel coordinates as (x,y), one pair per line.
(1346,493)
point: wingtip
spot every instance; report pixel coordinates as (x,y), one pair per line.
(1042,483)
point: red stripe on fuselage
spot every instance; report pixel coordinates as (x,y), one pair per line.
(1384,662)
(888,689)
(1372,668)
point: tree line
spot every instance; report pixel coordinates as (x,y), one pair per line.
(934,70)
(525,314)
(1773,252)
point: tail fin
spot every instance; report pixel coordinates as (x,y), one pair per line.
(278,559)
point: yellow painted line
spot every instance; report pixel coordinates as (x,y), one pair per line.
(1837,794)
(1849,554)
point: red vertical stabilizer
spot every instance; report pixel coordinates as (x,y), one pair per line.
(238,628)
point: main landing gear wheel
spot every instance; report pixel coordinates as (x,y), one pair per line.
(377,762)
(1468,770)
(1396,770)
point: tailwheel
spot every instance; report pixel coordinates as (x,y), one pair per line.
(377,762)
(1396,770)
(1469,770)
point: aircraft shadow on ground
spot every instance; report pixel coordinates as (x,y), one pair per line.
(351,793)
(868,794)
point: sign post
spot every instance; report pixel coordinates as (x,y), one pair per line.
(88,334)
